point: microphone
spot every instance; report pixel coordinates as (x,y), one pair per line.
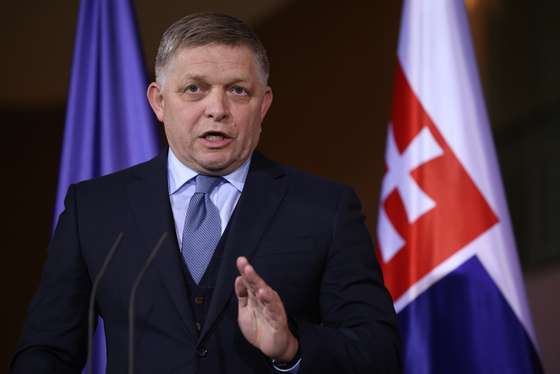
(147,264)
(92,297)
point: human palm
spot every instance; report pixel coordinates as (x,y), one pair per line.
(261,315)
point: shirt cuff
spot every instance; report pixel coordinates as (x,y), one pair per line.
(292,370)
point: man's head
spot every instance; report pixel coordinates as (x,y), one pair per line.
(208,28)
(211,91)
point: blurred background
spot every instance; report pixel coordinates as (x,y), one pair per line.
(332,76)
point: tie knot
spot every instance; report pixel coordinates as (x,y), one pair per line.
(205,183)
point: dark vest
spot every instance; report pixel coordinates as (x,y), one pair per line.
(200,294)
(200,297)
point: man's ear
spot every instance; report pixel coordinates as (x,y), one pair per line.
(267,101)
(155,98)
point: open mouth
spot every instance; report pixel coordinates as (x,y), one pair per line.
(215,138)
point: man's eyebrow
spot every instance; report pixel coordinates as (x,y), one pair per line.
(239,80)
(195,77)
(232,78)
(204,79)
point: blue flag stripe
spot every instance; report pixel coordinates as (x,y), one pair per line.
(463,324)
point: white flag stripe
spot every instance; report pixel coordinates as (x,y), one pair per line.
(438,61)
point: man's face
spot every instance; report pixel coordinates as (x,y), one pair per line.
(212,102)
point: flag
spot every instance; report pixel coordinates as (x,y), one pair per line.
(109,125)
(444,236)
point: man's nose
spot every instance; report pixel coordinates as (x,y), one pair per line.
(217,105)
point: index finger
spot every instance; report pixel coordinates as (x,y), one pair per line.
(249,274)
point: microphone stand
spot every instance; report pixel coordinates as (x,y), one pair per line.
(149,260)
(98,277)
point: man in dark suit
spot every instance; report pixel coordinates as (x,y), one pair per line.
(267,269)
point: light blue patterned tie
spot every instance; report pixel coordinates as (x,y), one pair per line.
(202,229)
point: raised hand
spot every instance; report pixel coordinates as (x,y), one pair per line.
(262,317)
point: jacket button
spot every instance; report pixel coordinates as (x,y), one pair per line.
(199,300)
(202,351)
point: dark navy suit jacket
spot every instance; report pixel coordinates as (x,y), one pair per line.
(304,235)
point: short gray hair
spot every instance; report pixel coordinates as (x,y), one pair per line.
(202,29)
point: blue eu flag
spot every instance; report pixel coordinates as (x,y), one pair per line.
(109,124)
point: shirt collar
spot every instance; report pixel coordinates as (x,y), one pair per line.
(180,174)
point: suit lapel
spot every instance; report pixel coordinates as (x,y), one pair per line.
(149,200)
(264,189)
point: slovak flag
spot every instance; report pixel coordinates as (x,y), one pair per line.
(444,235)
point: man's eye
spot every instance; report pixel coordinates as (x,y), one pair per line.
(238,90)
(192,88)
